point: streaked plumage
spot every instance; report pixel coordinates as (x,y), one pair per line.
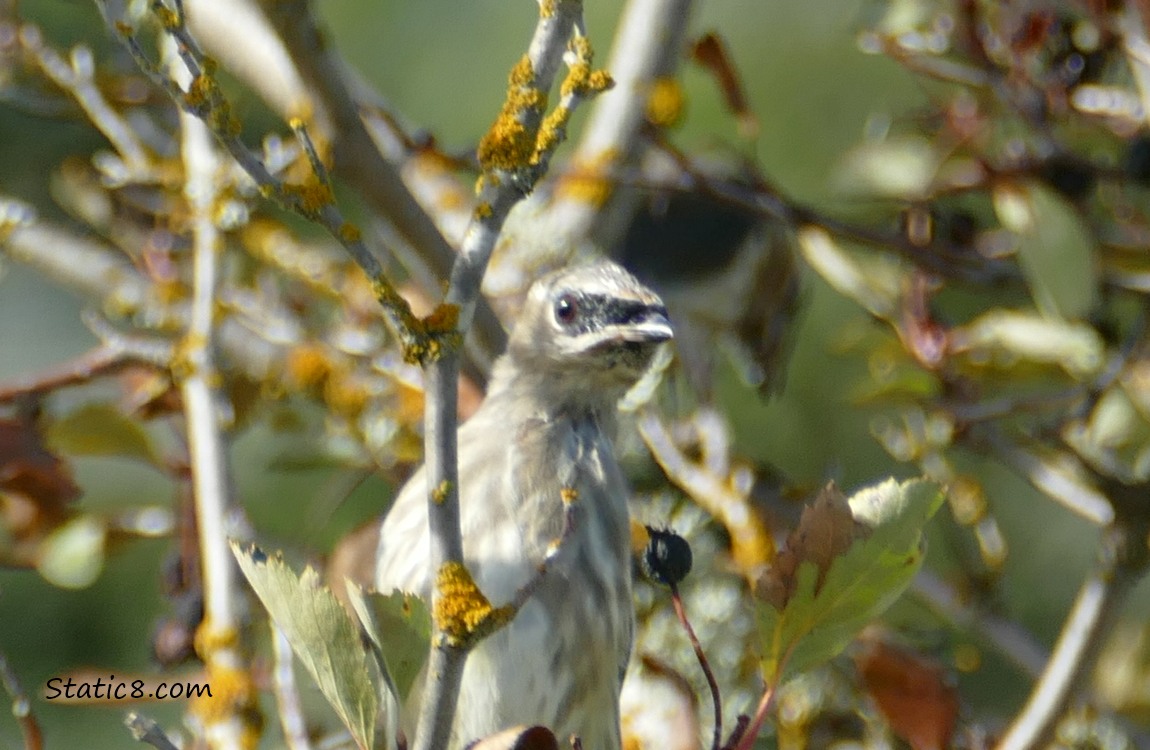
(585,335)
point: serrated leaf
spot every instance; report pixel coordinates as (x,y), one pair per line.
(322,635)
(822,616)
(1056,249)
(399,627)
(100,430)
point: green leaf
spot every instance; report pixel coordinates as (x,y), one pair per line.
(399,627)
(101,430)
(321,633)
(818,621)
(1017,334)
(72,556)
(870,279)
(1056,249)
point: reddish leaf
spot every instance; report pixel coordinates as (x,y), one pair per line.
(35,489)
(30,469)
(913,693)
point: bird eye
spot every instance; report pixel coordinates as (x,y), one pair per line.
(566,309)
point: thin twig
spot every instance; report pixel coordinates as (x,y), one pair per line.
(77,77)
(422,249)
(511,155)
(649,44)
(97,361)
(1063,481)
(751,731)
(716,700)
(287,693)
(148,731)
(21,706)
(1010,639)
(198,379)
(1136,45)
(100,272)
(202,97)
(1122,562)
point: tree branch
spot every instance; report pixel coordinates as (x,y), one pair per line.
(21,706)
(513,155)
(1123,558)
(219,639)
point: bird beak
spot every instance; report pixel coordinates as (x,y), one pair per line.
(651,325)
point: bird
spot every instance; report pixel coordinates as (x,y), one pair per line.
(539,479)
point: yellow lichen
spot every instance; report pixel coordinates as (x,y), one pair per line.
(461,611)
(210,639)
(349,232)
(508,143)
(440,491)
(581,80)
(551,133)
(186,355)
(233,694)
(546,8)
(167,17)
(483,211)
(346,396)
(443,319)
(311,196)
(569,495)
(590,181)
(665,103)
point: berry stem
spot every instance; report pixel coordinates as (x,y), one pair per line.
(681,613)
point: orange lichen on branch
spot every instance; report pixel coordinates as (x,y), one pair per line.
(346,395)
(233,696)
(461,612)
(349,232)
(187,355)
(440,491)
(590,181)
(443,319)
(509,142)
(581,80)
(167,17)
(569,495)
(307,366)
(665,103)
(310,196)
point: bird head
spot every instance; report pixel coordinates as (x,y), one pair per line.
(589,327)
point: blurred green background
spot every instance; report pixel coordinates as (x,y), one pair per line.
(443,64)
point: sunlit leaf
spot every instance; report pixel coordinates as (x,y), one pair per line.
(321,633)
(1076,347)
(872,280)
(100,430)
(399,627)
(829,606)
(897,167)
(72,556)
(1057,250)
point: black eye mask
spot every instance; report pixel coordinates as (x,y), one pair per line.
(597,310)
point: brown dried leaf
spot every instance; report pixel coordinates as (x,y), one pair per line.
(913,692)
(28,468)
(826,530)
